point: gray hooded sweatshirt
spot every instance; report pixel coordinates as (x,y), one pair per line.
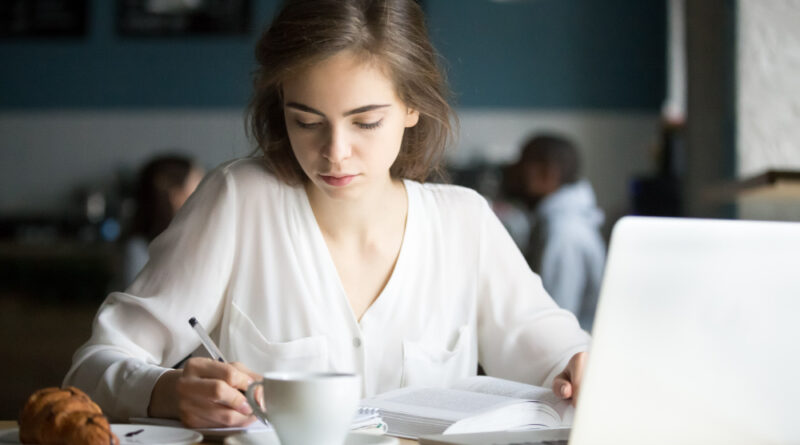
(567,250)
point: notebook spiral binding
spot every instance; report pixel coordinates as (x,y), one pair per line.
(368,411)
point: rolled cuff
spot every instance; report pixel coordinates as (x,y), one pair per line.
(129,383)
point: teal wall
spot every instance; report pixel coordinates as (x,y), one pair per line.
(555,54)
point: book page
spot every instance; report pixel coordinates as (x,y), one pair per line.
(508,388)
(493,385)
(438,403)
(474,404)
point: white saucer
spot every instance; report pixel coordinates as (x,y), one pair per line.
(154,435)
(269,438)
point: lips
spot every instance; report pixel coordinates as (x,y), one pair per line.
(337,180)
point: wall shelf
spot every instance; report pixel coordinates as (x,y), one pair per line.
(777,184)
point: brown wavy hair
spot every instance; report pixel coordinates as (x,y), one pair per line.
(391,32)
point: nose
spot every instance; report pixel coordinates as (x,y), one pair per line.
(337,147)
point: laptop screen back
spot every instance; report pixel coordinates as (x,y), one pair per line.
(697,335)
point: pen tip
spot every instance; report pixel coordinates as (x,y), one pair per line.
(192,321)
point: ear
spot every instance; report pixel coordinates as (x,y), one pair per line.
(412,117)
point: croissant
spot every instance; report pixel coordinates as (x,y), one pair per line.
(55,416)
(82,427)
(36,407)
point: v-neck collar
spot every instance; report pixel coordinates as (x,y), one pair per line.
(326,259)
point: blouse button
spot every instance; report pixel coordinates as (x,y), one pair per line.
(356,342)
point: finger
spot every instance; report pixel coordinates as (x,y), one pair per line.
(242,367)
(224,394)
(577,368)
(201,391)
(562,387)
(211,407)
(258,394)
(236,375)
(224,417)
(251,376)
(197,366)
(210,414)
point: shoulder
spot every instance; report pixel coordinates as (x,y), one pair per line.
(452,199)
(239,184)
(244,176)
(246,171)
(452,212)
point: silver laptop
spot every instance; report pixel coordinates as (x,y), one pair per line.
(696,339)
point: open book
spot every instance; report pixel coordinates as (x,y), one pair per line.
(474,404)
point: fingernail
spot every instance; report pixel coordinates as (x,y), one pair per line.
(244,408)
(564,391)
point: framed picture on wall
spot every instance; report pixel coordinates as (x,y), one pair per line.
(43,18)
(162,18)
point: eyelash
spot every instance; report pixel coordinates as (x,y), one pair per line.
(368,126)
(307,126)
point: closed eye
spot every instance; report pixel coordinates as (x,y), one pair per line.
(370,125)
(307,125)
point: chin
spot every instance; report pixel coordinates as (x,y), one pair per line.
(349,191)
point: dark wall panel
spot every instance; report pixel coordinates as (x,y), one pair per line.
(563,54)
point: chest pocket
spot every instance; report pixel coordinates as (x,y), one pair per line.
(249,346)
(426,363)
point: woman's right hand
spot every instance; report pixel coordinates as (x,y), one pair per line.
(205,393)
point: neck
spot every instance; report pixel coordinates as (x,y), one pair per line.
(376,211)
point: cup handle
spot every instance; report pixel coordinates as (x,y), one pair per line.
(256,407)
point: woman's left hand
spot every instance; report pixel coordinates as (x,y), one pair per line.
(567,384)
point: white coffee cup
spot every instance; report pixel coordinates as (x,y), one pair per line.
(308,408)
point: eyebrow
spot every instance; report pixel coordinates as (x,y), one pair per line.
(364,109)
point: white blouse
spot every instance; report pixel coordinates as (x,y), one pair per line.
(246,257)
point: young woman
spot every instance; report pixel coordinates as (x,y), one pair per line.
(328,252)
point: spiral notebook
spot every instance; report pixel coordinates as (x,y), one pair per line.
(365,419)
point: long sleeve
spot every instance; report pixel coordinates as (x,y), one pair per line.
(140,333)
(523,335)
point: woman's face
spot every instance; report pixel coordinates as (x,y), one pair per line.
(345,124)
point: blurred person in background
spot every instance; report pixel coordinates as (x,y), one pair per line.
(565,245)
(164,184)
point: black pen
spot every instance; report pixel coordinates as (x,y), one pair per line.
(209,344)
